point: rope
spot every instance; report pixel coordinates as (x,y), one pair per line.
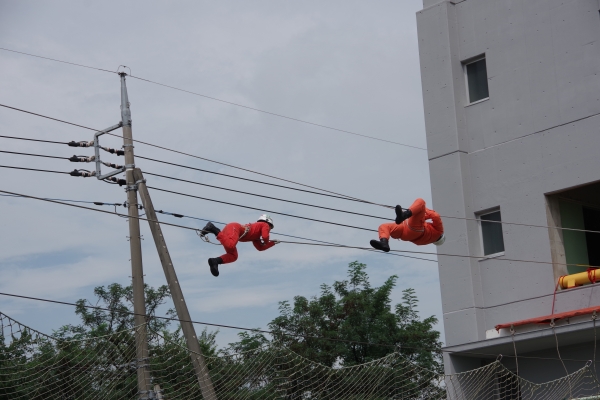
(560,358)
(205,238)
(512,334)
(554,295)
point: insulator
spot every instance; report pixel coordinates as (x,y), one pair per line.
(81,144)
(82,173)
(113,151)
(82,159)
(111,165)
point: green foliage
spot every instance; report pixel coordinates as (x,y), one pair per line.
(354,311)
(96,358)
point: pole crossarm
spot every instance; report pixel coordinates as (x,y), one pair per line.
(189,332)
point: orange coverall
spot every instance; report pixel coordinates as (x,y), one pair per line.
(415,229)
(230,236)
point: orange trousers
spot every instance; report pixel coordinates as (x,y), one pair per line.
(415,229)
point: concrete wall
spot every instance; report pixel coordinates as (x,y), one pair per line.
(538,133)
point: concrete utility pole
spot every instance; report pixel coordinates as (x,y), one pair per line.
(137,271)
(208,392)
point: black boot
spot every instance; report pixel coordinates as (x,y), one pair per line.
(210,228)
(401,215)
(214,265)
(381,244)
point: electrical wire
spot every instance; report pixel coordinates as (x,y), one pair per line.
(177,215)
(278,115)
(34,169)
(300,243)
(33,140)
(313,187)
(225,101)
(180,152)
(262,210)
(251,180)
(33,155)
(266,197)
(273,333)
(56,60)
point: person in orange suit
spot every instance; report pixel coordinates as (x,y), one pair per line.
(233,233)
(410,226)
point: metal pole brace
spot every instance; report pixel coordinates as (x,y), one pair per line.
(97,153)
(134,187)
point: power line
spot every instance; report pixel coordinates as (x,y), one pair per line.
(261,209)
(60,61)
(273,333)
(34,169)
(343,197)
(278,115)
(178,215)
(346,197)
(452,255)
(33,155)
(300,243)
(33,140)
(180,152)
(227,102)
(198,322)
(252,180)
(266,197)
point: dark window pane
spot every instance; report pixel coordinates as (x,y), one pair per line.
(492,234)
(591,219)
(477,81)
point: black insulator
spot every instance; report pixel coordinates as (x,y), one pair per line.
(121,182)
(177,215)
(160,211)
(120,152)
(75,159)
(75,173)
(73,144)
(98,203)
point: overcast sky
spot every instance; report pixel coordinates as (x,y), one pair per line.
(345,64)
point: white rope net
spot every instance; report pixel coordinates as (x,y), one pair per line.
(37,366)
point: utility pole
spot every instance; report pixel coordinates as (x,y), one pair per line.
(137,271)
(206,387)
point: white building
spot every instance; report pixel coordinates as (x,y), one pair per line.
(511,92)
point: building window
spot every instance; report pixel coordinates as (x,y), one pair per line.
(581,248)
(477,82)
(491,233)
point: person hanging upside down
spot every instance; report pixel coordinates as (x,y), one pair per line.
(233,233)
(410,226)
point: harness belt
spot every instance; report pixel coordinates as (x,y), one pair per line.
(246,230)
(413,229)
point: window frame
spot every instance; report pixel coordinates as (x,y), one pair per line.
(478,216)
(466,76)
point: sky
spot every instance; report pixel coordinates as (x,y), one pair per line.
(345,64)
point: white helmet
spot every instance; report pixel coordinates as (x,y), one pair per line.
(440,241)
(266,218)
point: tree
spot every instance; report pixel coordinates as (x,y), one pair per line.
(360,322)
(115,311)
